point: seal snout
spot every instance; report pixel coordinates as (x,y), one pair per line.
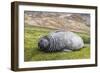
(43,43)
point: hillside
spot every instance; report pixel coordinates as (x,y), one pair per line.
(61,21)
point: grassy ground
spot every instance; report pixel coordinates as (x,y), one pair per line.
(32,52)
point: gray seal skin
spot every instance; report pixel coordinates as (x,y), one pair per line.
(60,41)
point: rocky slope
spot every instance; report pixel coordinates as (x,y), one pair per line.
(61,21)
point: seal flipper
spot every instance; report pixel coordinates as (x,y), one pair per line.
(67,50)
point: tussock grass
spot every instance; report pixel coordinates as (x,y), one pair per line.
(32,52)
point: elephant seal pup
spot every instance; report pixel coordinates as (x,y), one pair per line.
(60,41)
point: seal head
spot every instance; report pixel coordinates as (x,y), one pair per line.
(43,43)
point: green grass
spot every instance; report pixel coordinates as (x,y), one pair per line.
(85,37)
(32,52)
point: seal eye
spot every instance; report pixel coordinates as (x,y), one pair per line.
(43,43)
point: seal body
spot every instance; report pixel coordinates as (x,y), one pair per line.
(60,41)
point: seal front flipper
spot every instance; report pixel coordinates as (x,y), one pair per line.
(67,50)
